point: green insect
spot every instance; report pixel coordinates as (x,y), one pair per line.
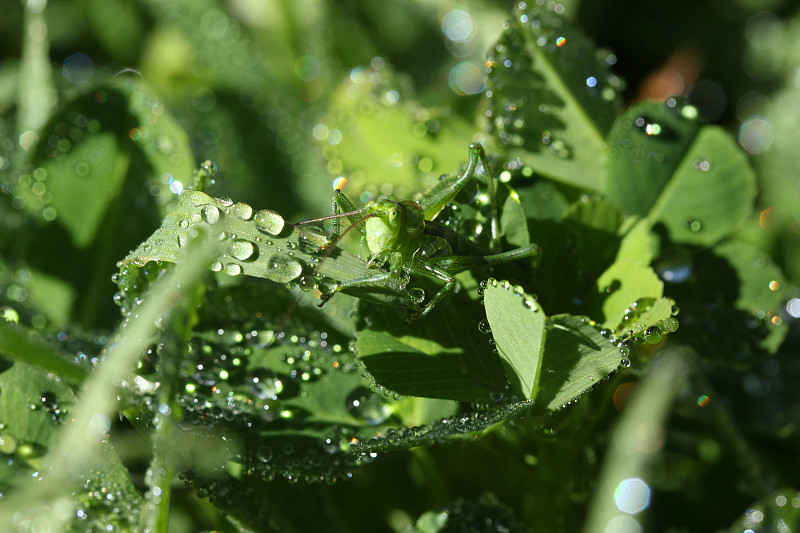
(405,237)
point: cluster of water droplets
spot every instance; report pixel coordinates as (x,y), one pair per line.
(485,514)
(524,108)
(649,334)
(443,431)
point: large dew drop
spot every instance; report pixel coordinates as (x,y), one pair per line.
(232,269)
(283,269)
(210,214)
(241,249)
(242,211)
(268,221)
(363,404)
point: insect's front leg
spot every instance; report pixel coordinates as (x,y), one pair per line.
(440,274)
(397,270)
(340,203)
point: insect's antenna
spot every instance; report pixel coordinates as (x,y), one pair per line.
(329,217)
(351,226)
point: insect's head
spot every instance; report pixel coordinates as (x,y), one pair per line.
(384,223)
(386,210)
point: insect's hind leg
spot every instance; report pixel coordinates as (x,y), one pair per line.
(443,193)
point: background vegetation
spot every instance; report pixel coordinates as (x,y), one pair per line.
(227,414)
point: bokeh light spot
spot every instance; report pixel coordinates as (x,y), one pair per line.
(466,78)
(755,135)
(458,26)
(632,496)
(78,69)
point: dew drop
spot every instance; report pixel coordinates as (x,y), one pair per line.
(268,221)
(416,294)
(242,211)
(363,404)
(307,283)
(209,168)
(283,269)
(671,324)
(484,327)
(210,214)
(693,224)
(241,249)
(233,269)
(653,334)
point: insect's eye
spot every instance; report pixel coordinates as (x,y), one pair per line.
(392,214)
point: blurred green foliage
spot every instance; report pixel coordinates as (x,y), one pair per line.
(107,107)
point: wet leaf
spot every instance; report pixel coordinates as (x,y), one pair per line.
(551,98)
(575,358)
(517,326)
(760,292)
(33,404)
(263,245)
(434,357)
(630,276)
(695,181)
(377,132)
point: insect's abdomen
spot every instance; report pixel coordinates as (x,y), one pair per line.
(459,244)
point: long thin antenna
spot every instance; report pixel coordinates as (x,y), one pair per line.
(329,217)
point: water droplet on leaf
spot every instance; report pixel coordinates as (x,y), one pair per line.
(268,221)
(241,249)
(283,269)
(210,214)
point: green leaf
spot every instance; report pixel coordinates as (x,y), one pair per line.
(119,132)
(513,222)
(517,323)
(263,245)
(761,284)
(575,358)
(695,181)
(646,313)
(630,277)
(375,130)
(542,200)
(32,404)
(647,144)
(551,98)
(103,164)
(576,250)
(434,357)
